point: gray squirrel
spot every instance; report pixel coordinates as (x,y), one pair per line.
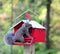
(10,37)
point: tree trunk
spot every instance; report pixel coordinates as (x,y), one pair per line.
(48,24)
(11,47)
(1,4)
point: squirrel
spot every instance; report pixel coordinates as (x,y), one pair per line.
(10,37)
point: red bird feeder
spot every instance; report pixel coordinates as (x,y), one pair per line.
(38,33)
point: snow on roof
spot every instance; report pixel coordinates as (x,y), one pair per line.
(32,22)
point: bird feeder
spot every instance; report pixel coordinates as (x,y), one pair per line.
(37,32)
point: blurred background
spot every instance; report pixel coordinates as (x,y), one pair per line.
(47,13)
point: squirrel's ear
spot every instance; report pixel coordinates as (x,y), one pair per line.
(8,38)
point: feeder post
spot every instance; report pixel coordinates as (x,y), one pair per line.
(29,49)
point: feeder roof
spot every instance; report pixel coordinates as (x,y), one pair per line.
(32,22)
